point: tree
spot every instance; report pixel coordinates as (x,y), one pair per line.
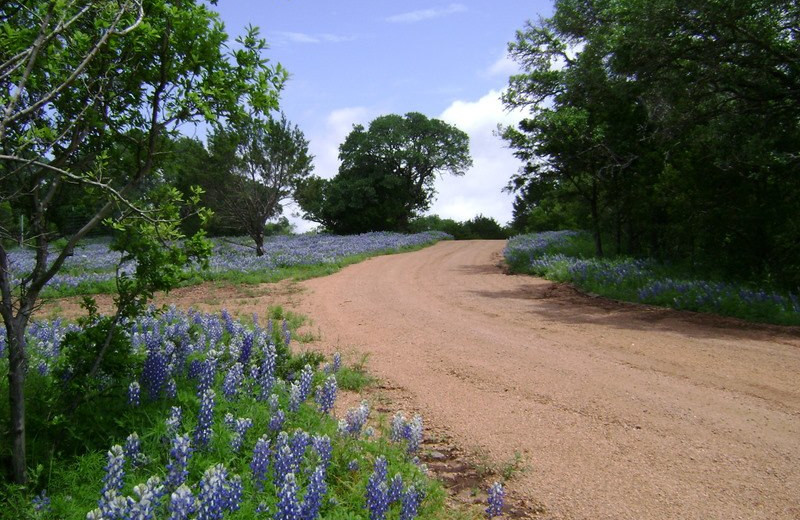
(263,163)
(387,173)
(673,125)
(89,91)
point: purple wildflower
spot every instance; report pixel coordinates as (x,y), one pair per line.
(171,389)
(182,503)
(306,376)
(496,495)
(233,380)
(147,502)
(298,443)
(134,392)
(295,397)
(354,420)
(317,487)
(179,457)
(410,503)
(284,457)
(276,421)
(288,505)
(240,428)
(377,491)
(41,502)
(205,419)
(218,493)
(174,420)
(395,488)
(260,462)
(326,395)
(322,447)
(154,371)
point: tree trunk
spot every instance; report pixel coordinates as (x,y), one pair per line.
(259,239)
(15,334)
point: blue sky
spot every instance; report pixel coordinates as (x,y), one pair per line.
(351,61)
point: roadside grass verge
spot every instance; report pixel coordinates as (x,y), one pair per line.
(568,256)
(296,258)
(261,395)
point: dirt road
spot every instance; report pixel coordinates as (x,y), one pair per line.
(619,411)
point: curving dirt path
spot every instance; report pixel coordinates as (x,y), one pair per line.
(619,411)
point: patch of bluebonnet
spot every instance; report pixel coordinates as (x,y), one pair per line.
(295,397)
(298,442)
(171,390)
(147,500)
(276,420)
(306,376)
(155,372)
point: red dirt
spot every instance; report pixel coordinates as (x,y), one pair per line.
(618,410)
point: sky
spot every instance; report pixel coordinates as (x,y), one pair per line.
(352,61)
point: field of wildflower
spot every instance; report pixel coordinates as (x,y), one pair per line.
(92,267)
(566,256)
(209,418)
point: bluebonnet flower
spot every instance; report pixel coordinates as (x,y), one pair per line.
(288,506)
(354,420)
(217,493)
(41,502)
(284,457)
(298,443)
(322,447)
(317,487)
(410,503)
(326,395)
(228,321)
(207,374)
(240,428)
(377,493)
(174,420)
(179,457)
(414,434)
(171,389)
(205,419)
(229,420)
(353,465)
(133,446)
(115,470)
(260,462)
(235,492)
(395,488)
(496,495)
(134,392)
(276,420)
(154,371)
(182,503)
(287,334)
(247,344)
(267,375)
(195,368)
(147,502)
(262,507)
(306,375)
(295,397)
(337,362)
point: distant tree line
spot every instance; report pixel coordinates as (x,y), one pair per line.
(668,129)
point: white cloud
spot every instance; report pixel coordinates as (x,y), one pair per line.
(284,37)
(480,190)
(426,14)
(503,67)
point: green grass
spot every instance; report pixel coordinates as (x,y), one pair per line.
(67,450)
(355,377)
